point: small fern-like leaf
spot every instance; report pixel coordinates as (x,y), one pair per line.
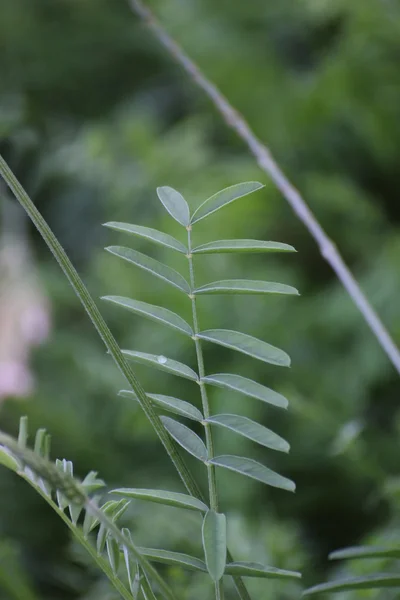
(163,497)
(186,438)
(365,582)
(175,204)
(162,363)
(214,543)
(255,470)
(155,313)
(174,558)
(151,265)
(245,286)
(365,552)
(246,344)
(158,237)
(224,197)
(222,246)
(246,386)
(170,404)
(251,430)
(249,569)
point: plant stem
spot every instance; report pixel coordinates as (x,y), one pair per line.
(212,478)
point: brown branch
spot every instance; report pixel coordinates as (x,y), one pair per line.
(267,163)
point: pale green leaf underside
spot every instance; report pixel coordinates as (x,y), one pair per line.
(221,246)
(185,437)
(245,286)
(214,543)
(249,569)
(224,197)
(151,265)
(155,313)
(251,430)
(367,582)
(170,404)
(175,204)
(174,558)
(158,237)
(247,344)
(248,387)
(162,363)
(163,497)
(365,552)
(255,470)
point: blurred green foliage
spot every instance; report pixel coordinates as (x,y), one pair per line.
(93,117)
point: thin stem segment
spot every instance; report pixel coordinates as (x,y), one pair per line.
(212,478)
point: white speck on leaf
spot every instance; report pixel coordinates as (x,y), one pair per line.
(162,360)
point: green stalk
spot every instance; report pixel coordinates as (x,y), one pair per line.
(111,344)
(212,478)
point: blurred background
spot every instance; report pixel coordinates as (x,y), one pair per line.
(93,117)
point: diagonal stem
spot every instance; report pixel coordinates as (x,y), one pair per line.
(212,479)
(266,162)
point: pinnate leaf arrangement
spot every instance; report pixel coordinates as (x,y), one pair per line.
(215,557)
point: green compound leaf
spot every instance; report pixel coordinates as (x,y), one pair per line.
(247,344)
(248,387)
(365,552)
(158,237)
(251,430)
(245,286)
(224,197)
(185,437)
(155,313)
(249,569)
(255,470)
(174,405)
(163,497)
(162,363)
(222,246)
(175,204)
(214,543)
(151,265)
(367,582)
(174,558)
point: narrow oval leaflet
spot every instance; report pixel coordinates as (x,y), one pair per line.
(174,558)
(246,286)
(250,569)
(151,265)
(168,403)
(175,204)
(222,246)
(162,363)
(163,497)
(155,313)
(246,344)
(225,196)
(153,235)
(367,582)
(214,543)
(251,430)
(248,387)
(255,470)
(185,437)
(365,552)
(179,407)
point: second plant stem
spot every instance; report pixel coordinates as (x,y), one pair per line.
(212,479)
